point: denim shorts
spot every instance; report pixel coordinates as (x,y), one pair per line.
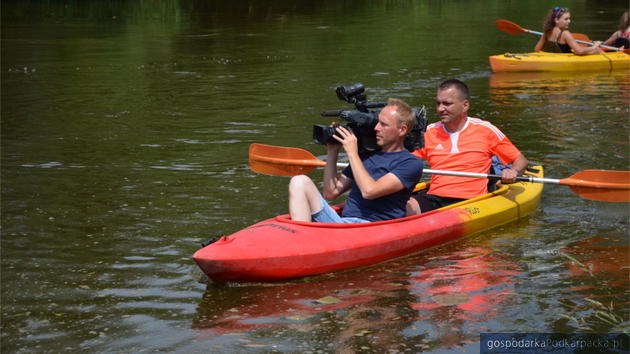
(328,214)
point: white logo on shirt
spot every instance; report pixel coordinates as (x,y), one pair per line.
(439,147)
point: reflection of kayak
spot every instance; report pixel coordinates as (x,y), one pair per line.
(543,61)
(279,248)
(558,79)
(472,283)
(289,304)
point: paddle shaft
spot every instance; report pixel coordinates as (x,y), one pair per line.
(577,40)
(580,183)
(512,28)
(601,185)
(530,179)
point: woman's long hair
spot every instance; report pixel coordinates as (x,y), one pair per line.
(624,22)
(550,19)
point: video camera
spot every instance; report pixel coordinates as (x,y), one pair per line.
(362,121)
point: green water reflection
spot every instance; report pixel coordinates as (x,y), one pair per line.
(125,128)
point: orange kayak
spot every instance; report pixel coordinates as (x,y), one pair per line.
(280,248)
(543,61)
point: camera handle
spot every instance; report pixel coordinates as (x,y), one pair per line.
(360,106)
(334,113)
(363,106)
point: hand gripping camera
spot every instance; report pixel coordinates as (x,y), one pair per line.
(362,121)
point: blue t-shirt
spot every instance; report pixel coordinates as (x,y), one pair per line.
(403,165)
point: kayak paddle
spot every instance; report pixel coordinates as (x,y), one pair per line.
(512,28)
(581,38)
(600,185)
(281,161)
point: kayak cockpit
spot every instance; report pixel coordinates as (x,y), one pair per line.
(286,218)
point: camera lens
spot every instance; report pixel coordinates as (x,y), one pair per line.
(346,92)
(323,134)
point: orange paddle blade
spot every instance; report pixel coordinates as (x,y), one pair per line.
(281,161)
(509,27)
(601,185)
(581,37)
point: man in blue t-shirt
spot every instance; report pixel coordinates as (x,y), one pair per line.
(380,185)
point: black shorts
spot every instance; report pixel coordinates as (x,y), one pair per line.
(430,202)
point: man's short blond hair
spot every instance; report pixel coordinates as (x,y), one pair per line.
(406,115)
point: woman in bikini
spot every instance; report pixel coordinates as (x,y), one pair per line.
(621,37)
(557,38)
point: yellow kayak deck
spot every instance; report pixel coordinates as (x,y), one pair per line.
(543,61)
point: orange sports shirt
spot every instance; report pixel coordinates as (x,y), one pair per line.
(469,150)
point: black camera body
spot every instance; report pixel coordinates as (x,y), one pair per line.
(362,121)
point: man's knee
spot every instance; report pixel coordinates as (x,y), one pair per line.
(304,198)
(299,183)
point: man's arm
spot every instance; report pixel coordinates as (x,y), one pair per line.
(370,188)
(335,184)
(519,165)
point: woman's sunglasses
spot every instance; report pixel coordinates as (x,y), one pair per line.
(557,11)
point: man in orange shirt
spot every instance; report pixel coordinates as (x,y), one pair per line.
(461,143)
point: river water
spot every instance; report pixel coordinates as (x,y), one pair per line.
(125,134)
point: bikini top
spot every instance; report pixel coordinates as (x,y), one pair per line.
(623,40)
(564,48)
(556,47)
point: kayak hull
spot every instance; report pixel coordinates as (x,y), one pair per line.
(278,248)
(543,61)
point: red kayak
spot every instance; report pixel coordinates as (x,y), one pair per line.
(279,248)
